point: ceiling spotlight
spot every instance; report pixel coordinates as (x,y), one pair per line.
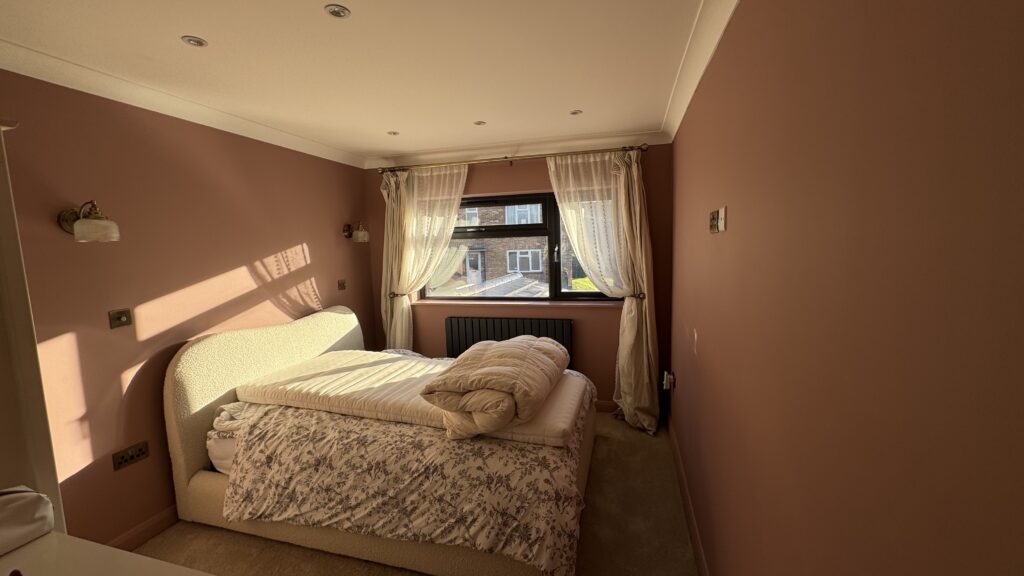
(194,41)
(392,133)
(337,10)
(575,112)
(480,123)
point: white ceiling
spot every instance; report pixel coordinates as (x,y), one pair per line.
(287,73)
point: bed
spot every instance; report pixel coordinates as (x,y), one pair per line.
(205,375)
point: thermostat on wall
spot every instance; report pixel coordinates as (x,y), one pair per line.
(717,222)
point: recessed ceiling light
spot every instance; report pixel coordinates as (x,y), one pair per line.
(575,112)
(392,133)
(480,123)
(195,41)
(337,10)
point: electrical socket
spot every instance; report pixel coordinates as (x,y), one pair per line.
(131,455)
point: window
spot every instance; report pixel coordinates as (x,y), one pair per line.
(523,214)
(524,261)
(510,248)
(468,217)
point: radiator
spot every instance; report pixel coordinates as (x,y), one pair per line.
(461,333)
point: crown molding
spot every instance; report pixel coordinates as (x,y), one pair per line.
(707,30)
(552,146)
(712,18)
(28,62)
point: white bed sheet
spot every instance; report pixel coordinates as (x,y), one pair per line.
(387,386)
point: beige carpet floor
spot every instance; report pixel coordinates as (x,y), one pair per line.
(633,524)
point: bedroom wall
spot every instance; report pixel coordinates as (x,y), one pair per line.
(854,402)
(595,325)
(219,232)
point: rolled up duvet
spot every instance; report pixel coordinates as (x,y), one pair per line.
(495,384)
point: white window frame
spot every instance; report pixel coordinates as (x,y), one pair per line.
(532,213)
(529,255)
(472,216)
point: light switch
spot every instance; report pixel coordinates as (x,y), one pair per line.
(342,285)
(716,222)
(120,318)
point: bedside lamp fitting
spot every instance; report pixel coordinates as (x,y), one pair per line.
(361,235)
(88,224)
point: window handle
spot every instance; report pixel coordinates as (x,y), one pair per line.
(557,258)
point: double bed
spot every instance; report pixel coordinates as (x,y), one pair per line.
(341,454)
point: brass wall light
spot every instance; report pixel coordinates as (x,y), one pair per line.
(361,235)
(88,224)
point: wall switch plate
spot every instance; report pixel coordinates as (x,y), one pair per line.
(717,221)
(119,318)
(131,455)
(342,285)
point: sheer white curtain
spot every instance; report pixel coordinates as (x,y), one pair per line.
(604,213)
(422,205)
(453,258)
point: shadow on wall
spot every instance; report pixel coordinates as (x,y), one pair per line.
(271,290)
(194,204)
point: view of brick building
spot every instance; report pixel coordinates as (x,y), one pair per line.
(502,267)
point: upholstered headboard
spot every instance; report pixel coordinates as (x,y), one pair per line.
(205,372)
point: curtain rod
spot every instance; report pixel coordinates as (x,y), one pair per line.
(510,159)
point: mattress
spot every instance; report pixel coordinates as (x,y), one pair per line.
(409,482)
(387,386)
(206,490)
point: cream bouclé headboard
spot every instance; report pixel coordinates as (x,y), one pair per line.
(205,372)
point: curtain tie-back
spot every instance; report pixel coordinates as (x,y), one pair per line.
(393,295)
(639,296)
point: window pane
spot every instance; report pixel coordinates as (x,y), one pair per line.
(468,217)
(521,214)
(535,261)
(479,267)
(574,279)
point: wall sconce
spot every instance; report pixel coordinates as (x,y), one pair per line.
(88,224)
(360,234)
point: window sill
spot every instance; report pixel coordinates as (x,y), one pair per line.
(527,303)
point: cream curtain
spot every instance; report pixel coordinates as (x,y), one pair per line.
(604,213)
(422,205)
(453,257)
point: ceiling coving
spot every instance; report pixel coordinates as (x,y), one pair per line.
(291,74)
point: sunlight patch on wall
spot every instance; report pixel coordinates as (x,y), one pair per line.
(170,310)
(300,299)
(66,406)
(175,308)
(265,313)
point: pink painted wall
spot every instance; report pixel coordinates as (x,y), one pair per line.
(595,325)
(854,403)
(219,232)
